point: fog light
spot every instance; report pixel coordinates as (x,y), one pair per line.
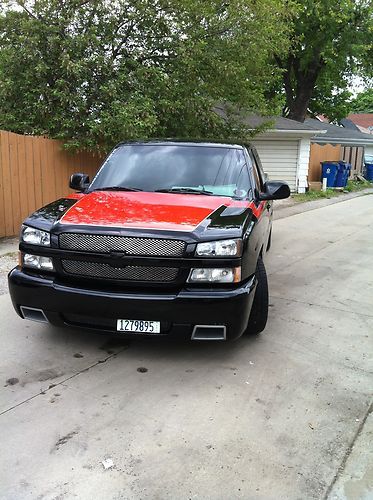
(215,275)
(38,262)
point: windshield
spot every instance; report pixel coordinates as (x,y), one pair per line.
(175,168)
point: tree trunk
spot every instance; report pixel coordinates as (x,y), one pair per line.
(299,86)
(298,107)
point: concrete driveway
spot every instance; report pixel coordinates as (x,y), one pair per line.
(281,416)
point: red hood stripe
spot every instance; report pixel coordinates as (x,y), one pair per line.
(257,210)
(143,210)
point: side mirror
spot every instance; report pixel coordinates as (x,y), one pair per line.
(275,190)
(79,182)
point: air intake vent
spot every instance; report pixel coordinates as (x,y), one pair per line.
(130,273)
(209,332)
(33,314)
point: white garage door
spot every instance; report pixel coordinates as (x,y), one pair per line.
(279,159)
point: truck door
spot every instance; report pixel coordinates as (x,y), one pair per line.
(266,207)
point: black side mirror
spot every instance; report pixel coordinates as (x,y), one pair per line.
(79,182)
(275,190)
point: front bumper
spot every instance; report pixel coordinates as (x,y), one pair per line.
(98,310)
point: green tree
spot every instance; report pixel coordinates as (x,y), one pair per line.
(363,102)
(331,41)
(96,72)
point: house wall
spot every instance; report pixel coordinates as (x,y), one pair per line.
(280,158)
(303,161)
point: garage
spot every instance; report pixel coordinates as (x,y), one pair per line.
(284,150)
(283,146)
(279,159)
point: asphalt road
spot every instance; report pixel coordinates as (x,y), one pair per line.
(281,416)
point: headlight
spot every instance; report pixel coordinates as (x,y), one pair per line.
(222,248)
(38,262)
(35,236)
(215,275)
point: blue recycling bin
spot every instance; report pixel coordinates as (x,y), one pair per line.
(343,173)
(369,172)
(329,169)
(348,168)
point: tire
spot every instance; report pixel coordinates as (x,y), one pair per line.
(259,311)
(269,241)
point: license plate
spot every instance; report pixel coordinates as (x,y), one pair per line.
(138,326)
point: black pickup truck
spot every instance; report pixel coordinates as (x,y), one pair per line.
(167,240)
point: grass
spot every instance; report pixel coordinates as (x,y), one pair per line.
(352,186)
(357,186)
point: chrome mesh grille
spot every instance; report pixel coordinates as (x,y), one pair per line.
(128,244)
(132,273)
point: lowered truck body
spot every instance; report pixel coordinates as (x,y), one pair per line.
(168,240)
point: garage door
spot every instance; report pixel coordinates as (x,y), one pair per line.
(279,159)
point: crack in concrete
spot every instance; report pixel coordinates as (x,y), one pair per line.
(348,453)
(62,382)
(322,306)
(298,347)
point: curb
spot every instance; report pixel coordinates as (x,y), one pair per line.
(301,207)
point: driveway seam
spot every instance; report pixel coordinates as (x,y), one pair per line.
(348,452)
(312,254)
(44,391)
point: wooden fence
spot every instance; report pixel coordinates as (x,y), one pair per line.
(33,172)
(328,152)
(355,156)
(318,154)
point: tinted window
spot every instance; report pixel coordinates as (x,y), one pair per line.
(220,170)
(259,181)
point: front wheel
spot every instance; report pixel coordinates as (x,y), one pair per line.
(269,242)
(259,311)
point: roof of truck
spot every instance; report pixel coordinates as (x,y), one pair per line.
(183,142)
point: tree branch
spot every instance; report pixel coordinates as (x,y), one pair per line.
(23,6)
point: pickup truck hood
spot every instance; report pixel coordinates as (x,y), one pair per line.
(144,210)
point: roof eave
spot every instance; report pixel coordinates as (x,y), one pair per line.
(305,132)
(299,132)
(344,142)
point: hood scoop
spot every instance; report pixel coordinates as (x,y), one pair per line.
(233,211)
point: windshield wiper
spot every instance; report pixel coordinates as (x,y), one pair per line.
(184,191)
(116,188)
